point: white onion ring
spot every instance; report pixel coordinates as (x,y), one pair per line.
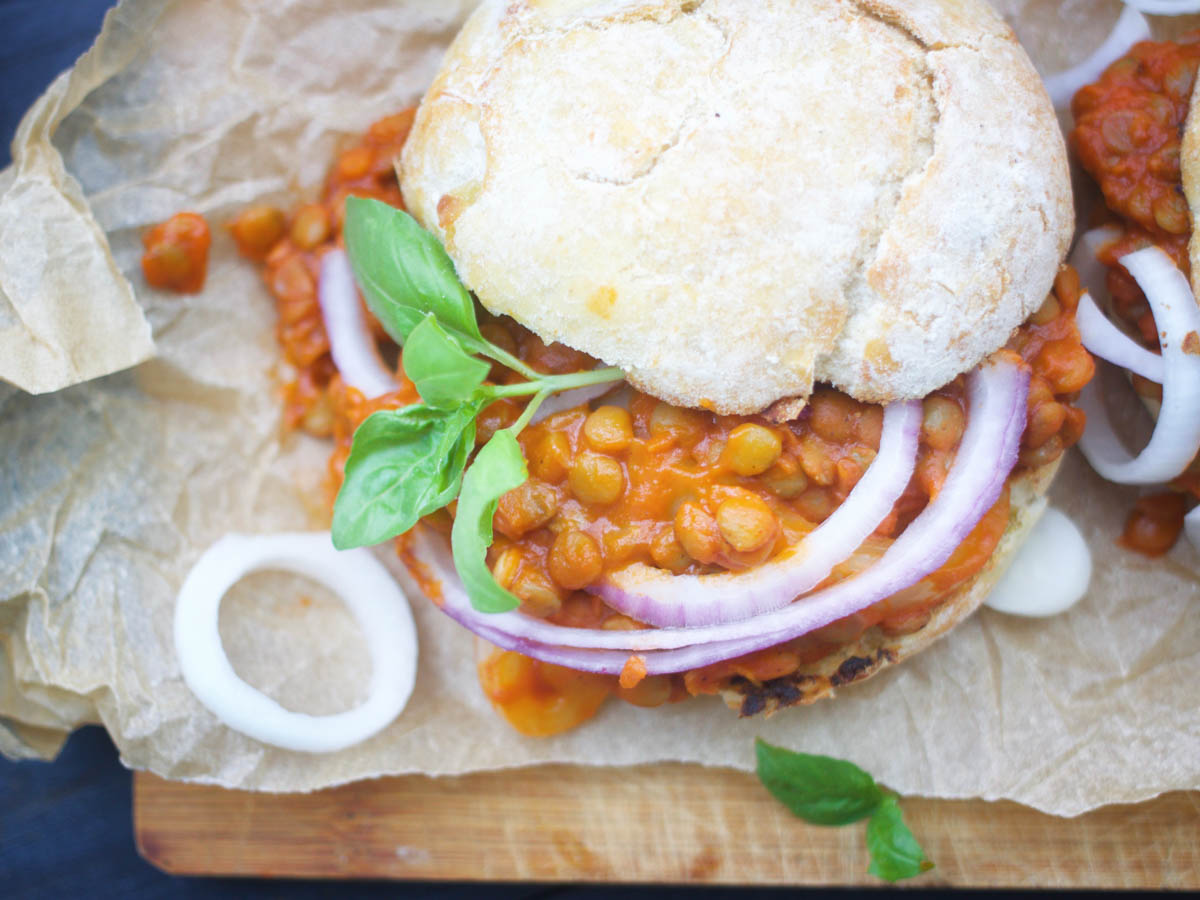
(1130,28)
(1102,338)
(368,590)
(350,341)
(1191,523)
(986,455)
(1085,258)
(660,598)
(1165,7)
(1176,437)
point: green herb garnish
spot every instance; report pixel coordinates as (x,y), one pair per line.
(407,463)
(823,790)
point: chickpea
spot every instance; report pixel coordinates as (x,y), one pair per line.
(1065,365)
(1044,422)
(1155,523)
(550,457)
(752,449)
(816,504)
(1047,312)
(609,429)
(668,553)
(698,533)
(746,522)
(943,423)
(869,428)
(1067,287)
(507,566)
(785,479)
(575,560)
(816,462)
(621,623)
(685,425)
(499,335)
(1036,457)
(176,256)
(310,227)
(355,163)
(653,690)
(526,507)
(538,596)
(1171,214)
(832,415)
(595,478)
(256,230)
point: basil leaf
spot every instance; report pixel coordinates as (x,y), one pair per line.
(818,789)
(444,373)
(895,853)
(404,464)
(498,467)
(404,271)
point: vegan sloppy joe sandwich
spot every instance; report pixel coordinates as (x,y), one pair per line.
(736,344)
(1135,135)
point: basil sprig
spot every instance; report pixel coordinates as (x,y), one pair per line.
(407,463)
(823,790)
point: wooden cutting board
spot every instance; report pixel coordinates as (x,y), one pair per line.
(669,823)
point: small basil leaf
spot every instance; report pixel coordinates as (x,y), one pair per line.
(444,374)
(498,467)
(818,789)
(895,853)
(403,464)
(404,271)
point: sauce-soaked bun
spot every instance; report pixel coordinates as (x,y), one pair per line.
(731,199)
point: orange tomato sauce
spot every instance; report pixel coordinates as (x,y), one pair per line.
(176,257)
(631,479)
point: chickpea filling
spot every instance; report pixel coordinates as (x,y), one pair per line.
(1128,134)
(627,478)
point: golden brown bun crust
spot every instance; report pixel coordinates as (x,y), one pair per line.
(875,651)
(1189,165)
(731,198)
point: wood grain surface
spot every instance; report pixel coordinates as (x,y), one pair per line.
(661,823)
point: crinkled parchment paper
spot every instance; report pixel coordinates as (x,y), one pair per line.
(110,489)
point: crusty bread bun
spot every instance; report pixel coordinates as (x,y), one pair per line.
(731,199)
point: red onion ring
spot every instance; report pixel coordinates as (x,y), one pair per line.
(1102,338)
(350,342)
(660,598)
(1130,28)
(1191,524)
(997,395)
(1176,437)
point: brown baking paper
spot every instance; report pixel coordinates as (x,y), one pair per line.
(110,490)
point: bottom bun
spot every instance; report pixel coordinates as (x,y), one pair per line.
(874,651)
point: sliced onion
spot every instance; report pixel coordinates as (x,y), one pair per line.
(350,341)
(1165,7)
(1176,437)
(1085,258)
(1130,28)
(368,590)
(659,598)
(1102,338)
(580,396)
(997,395)
(1191,523)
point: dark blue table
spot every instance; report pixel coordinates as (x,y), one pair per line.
(66,827)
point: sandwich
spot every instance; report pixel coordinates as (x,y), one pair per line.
(738,348)
(1134,136)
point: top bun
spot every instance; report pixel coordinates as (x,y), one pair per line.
(731,199)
